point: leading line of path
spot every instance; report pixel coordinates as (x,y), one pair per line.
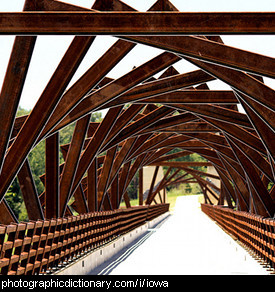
(187,243)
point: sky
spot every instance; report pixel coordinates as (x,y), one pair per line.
(50,49)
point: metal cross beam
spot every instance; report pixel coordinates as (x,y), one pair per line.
(136,23)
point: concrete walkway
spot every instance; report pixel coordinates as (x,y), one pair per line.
(187,243)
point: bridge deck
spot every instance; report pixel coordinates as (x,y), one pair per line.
(187,243)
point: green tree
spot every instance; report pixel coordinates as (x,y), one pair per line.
(133,187)
(37,163)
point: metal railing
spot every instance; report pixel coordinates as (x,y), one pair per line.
(253,231)
(37,247)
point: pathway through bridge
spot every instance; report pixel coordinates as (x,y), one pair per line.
(187,243)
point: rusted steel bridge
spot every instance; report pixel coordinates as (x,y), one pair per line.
(175,110)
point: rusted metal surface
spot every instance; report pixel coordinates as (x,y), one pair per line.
(131,23)
(152,110)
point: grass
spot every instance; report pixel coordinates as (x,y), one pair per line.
(172,196)
(171,199)
(133,202)
(174,193)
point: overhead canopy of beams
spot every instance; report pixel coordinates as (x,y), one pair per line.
(147,116)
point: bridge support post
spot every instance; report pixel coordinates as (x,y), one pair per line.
(140,186)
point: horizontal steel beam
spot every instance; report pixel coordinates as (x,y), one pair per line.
(194,97)
(137,23)
(181,163)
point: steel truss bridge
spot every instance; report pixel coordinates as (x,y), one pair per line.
(175,110)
